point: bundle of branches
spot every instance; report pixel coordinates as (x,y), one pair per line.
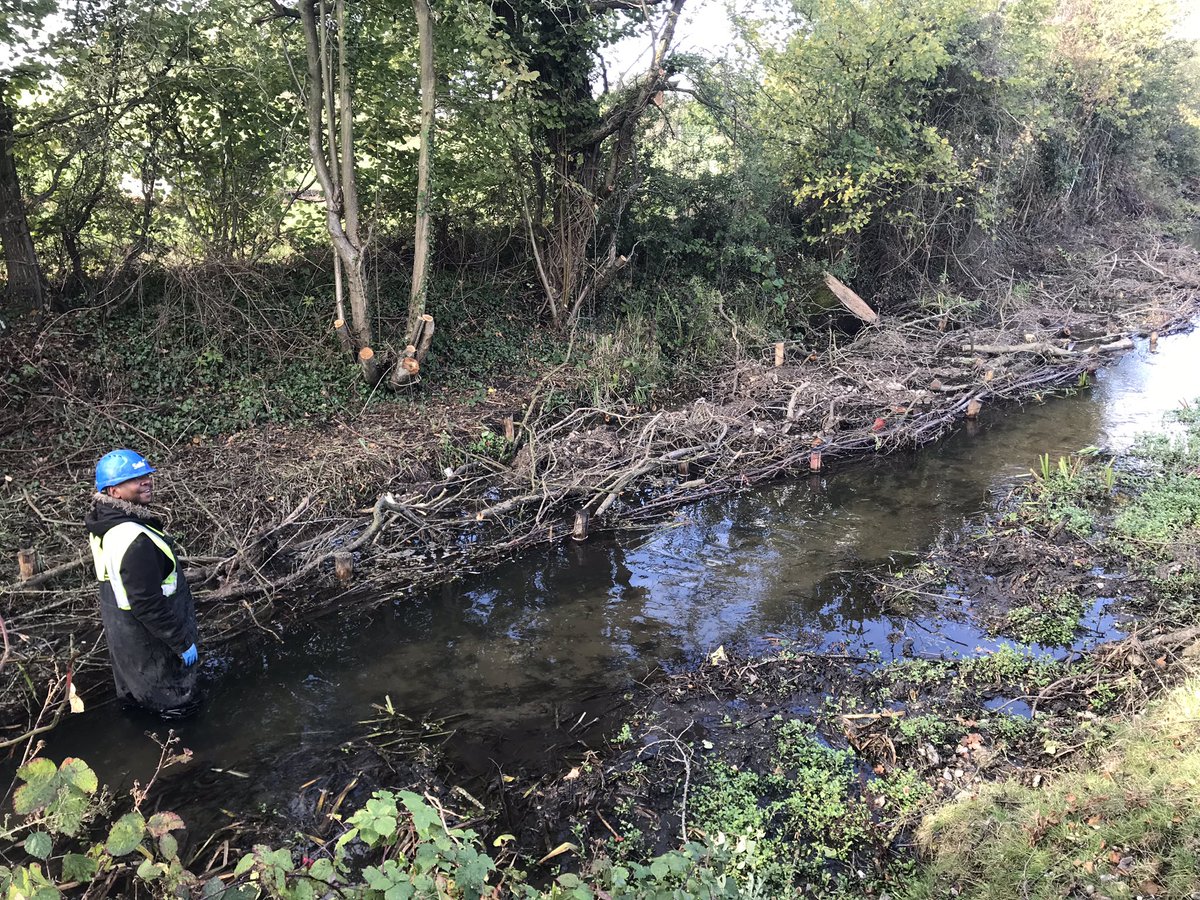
(897,384)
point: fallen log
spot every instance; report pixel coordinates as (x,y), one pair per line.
(1046,348)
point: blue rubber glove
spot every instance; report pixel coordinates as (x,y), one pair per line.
(190,655)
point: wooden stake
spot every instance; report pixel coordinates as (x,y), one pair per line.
(974,405)
(343,565)
(582,518)
(27,563)
(510,428)
(778,354)
(1154,340)
(369,365)
(814,461)
(684,467)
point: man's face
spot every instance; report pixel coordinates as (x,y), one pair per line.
(138,490)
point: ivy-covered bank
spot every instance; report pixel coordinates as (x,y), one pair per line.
(1020,772)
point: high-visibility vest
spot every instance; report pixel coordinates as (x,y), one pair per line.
(109,551)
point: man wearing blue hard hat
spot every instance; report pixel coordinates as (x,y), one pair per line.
(145,602)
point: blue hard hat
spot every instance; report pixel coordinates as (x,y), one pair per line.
(118,466)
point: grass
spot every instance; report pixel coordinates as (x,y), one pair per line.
(1065,496)
(1166,509)
(1122,824)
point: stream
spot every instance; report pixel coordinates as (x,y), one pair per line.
(519,654)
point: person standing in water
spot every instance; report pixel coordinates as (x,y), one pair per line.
(145,603)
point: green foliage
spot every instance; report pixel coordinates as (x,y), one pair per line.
(852,91)
(491,445)
(56,803)
(1066,495)
(59,796)
(1052,620)
(126,834)
(931,728)
(437,862)
(1011,666)
(1008,728)
(803,817)
(1163,513)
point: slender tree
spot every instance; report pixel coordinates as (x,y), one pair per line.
(423,249)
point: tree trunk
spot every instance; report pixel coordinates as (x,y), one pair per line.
(416,302)
(339,302)
(26,286)
(350,209)
(343,236)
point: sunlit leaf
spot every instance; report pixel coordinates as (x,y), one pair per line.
(126,834)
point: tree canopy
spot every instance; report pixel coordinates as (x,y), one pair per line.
(882,137)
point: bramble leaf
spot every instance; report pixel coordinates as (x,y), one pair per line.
(126,834)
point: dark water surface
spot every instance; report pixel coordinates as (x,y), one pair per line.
(521,652)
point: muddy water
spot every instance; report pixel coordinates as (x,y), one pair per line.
(523,652)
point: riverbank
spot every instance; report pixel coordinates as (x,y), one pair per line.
(264,512)
(1032,769)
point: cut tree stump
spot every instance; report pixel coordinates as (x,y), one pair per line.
(343,565)
(422,336)
(369,365)
(851,300)
(343,333)
(405,371)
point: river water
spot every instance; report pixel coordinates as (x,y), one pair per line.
(520,653)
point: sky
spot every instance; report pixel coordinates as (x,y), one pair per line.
(704,27)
